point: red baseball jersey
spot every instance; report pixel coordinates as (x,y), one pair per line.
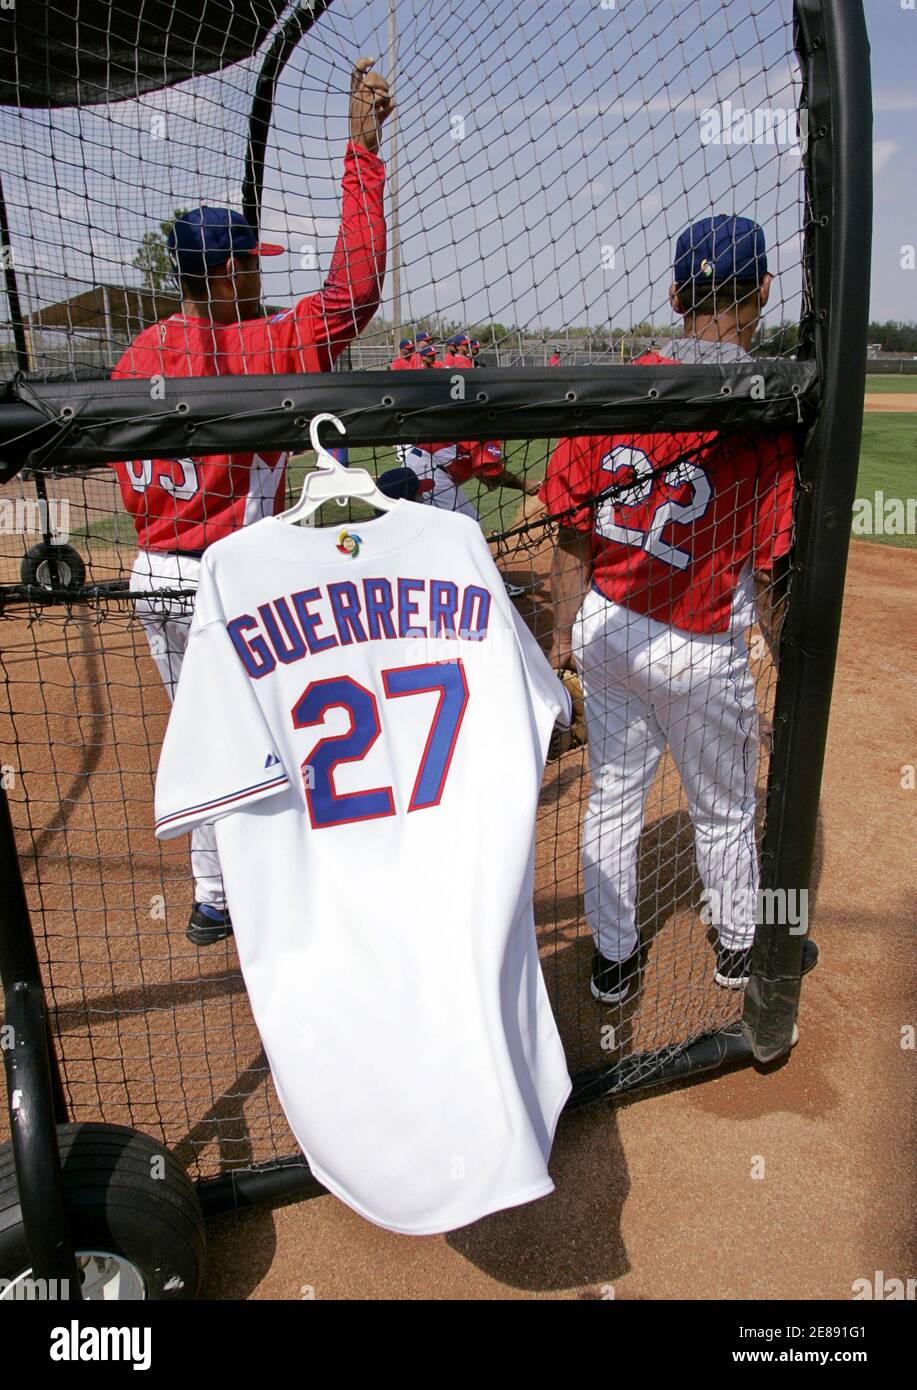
(186,504)
(476,460)
(401,364)
(689,512)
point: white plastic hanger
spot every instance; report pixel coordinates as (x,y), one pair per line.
(334,480)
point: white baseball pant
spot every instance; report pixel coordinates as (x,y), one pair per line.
(166,624)
(647,685)
(445,493)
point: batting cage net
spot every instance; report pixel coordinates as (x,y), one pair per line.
(580,199)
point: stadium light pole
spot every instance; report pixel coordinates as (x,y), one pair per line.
(12,289)
(393,182)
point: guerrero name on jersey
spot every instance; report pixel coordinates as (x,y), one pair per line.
(364,717)
(185,504)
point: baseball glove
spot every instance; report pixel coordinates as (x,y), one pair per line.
(572,735)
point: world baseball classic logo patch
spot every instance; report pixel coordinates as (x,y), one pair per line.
(349,544)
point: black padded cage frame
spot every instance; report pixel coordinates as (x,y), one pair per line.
(76,423)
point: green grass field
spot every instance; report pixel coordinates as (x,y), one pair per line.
(498,508)
(905,383)
(888,464)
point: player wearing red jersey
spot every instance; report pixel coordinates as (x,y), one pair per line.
(670,563)
(180,506)
(441,467)
(415,358)
(406,351)
(458,352)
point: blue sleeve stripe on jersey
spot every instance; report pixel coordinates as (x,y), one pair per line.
(220,803)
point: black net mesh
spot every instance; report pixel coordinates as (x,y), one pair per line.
(539,175)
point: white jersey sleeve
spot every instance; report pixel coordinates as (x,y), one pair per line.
(218,755)
(543,683)
(549,693)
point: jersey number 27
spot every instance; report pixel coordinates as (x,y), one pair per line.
(327,806)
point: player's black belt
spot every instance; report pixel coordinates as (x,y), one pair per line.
(181,554)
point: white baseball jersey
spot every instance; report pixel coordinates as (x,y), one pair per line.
(365,718)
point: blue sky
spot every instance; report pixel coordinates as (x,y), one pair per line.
(548,156)
(893,40)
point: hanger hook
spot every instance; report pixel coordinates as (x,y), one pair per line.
(325,460)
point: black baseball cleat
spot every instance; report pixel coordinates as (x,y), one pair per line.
(209,925)
(611,979)
(809,955)
(732,966)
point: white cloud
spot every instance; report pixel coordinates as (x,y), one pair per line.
(882,151)
(894,101)
(593,192)
(293,225)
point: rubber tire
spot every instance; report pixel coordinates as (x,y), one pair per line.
(70,561)
(117,1207)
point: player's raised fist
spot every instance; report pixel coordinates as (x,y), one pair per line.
(370,104)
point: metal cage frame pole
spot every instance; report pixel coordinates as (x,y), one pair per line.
(35,1092)
(392,181)
(834,53)
(294,27)
(12,287)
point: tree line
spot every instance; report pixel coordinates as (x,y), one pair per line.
(893,336)
(153,262)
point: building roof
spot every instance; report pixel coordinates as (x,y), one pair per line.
(126,311)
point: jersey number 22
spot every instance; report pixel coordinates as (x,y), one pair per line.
(640,469)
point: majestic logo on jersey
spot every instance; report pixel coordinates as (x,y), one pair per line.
(349,544)
(271,760)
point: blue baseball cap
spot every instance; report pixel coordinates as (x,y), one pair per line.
(399,482)
(206,237)
(428,351)
(406,342)
(720,248)
(423,338)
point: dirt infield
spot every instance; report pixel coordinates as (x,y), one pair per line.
(902,402)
